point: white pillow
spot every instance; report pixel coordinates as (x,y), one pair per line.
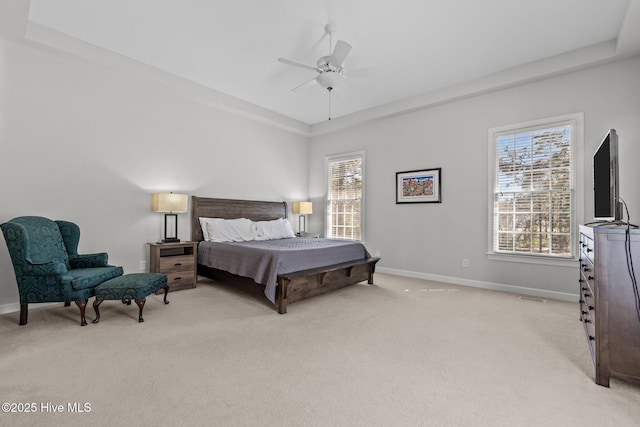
(229,230)
(269,230)
(203,226)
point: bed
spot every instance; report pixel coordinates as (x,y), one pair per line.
(296,268)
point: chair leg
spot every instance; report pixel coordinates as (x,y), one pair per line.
(82,305)
(140,303)
(96,303)
(24,312)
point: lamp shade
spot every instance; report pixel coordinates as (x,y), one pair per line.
(303,208)
(169,202)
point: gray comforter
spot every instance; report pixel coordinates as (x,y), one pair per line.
(264,260)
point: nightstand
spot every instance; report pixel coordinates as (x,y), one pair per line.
(176,260)
(308,235)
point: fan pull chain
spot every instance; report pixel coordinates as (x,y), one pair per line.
(330,88)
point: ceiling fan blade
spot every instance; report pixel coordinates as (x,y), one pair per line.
(306,84)
(299,64)
(339,54)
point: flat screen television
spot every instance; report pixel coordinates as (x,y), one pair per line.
(605,180)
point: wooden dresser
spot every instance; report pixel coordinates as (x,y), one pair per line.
(177,261)
(607,301)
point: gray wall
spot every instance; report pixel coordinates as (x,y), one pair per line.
(87,143)
(430,240)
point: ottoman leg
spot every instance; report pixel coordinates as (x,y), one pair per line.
(96,303)
(140,303)
(166,291)
(82,305)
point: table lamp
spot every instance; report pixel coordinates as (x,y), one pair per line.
(170,204)
(302,209)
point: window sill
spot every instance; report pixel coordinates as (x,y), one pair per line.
(534,259)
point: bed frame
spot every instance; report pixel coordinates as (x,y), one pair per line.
(294,286)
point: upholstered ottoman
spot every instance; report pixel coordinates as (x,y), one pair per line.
(130,287)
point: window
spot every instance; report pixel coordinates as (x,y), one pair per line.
(532,190)
(345,193)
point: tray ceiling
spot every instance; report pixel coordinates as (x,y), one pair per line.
(400,49)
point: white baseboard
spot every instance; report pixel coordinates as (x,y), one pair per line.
(15,307)
(520,290)
(539,293)
(9,308)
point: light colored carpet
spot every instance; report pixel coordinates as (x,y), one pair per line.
(403,352)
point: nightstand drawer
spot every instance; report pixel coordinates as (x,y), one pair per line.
(180,278)
(177,263)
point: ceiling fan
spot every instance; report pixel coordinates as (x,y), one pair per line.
(329,68)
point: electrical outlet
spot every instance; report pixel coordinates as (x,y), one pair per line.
(143,266)
(465,262)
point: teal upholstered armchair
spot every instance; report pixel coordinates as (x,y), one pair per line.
(48,267)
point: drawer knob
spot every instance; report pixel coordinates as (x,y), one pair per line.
(177,278)
(177,264)
(590,277)
(591,338)
(591,307)
(587,320)
(589,250)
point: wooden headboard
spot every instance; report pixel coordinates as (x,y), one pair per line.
(254,210)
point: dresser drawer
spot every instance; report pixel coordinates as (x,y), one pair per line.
(586,247)
(587,284)
(590,332)
(587,275)
(587,296)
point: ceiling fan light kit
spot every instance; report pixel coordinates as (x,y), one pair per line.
(329,80)
(329,68)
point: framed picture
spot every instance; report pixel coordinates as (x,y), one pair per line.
(420,186)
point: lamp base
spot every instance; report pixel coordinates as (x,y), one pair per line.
(170,228)
(302,224)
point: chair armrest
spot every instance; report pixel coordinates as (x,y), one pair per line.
(90,260)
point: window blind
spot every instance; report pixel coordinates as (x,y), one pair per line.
(344,198)
(533,192)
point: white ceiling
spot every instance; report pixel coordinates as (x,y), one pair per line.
(401,48)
